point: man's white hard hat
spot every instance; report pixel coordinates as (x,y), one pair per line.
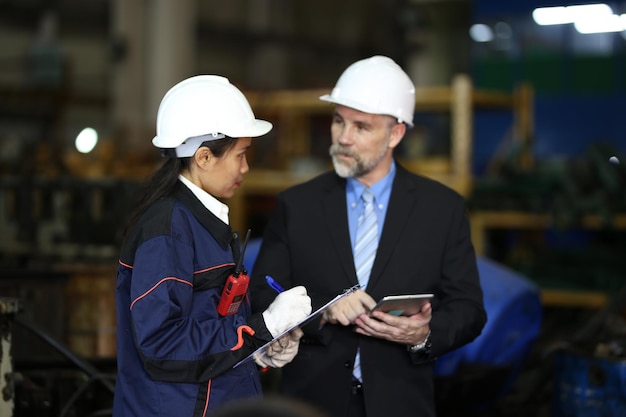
(376,85)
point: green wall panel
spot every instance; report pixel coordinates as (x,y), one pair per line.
(552,75)
(593,75)
(494,74)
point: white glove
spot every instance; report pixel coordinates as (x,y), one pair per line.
(287,309)
(282,351)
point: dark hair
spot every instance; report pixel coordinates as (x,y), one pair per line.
(162,183)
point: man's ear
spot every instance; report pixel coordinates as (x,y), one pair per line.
(397,133)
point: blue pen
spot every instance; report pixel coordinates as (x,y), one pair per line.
(275,285)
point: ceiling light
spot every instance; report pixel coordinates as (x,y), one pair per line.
(481,33)
(551,16)
(612,23)
(86,140)
(570,14)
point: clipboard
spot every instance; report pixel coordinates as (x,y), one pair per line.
(402,305)
(261,351)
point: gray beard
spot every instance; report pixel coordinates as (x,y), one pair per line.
(359,168)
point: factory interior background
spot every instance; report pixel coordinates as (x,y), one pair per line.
(522,116)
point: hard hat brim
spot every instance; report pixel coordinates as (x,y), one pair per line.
(255,129)
(360,107)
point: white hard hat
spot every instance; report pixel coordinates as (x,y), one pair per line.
(201,108)
(376,85)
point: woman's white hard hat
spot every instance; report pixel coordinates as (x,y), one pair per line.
(202,108)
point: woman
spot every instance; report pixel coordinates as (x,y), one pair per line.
(176,351)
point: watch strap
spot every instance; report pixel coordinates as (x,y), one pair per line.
(420,346)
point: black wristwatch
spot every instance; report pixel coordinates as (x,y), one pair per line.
(420,347)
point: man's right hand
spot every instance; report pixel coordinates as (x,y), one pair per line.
(346,310)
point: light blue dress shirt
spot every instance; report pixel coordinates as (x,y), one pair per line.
(381,191)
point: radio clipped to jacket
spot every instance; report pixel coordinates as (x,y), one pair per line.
(236,286)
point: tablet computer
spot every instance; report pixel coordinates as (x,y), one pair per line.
(402,305)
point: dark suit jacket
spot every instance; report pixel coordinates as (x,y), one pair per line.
(425,247)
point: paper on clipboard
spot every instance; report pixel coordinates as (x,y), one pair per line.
(261,351)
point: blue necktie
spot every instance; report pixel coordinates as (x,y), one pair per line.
(364,253)
(366,239)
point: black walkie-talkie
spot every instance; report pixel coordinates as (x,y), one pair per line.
(236,286)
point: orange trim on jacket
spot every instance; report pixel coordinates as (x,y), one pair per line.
(156,285)
(208,395)
(240,331)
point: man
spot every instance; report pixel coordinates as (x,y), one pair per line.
(351,363)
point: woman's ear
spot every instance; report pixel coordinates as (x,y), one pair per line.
(203,156)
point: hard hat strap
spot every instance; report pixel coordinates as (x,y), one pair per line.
(191,145)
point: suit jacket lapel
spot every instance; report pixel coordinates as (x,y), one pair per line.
(401,203)
(335,213)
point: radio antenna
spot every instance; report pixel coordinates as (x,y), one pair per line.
(239,266)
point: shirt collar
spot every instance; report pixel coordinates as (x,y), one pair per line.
(355,188)
(219,209)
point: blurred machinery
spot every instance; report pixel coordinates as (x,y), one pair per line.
(561,222)
(62,385)
(59,238)
(8,308)
(593,183)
